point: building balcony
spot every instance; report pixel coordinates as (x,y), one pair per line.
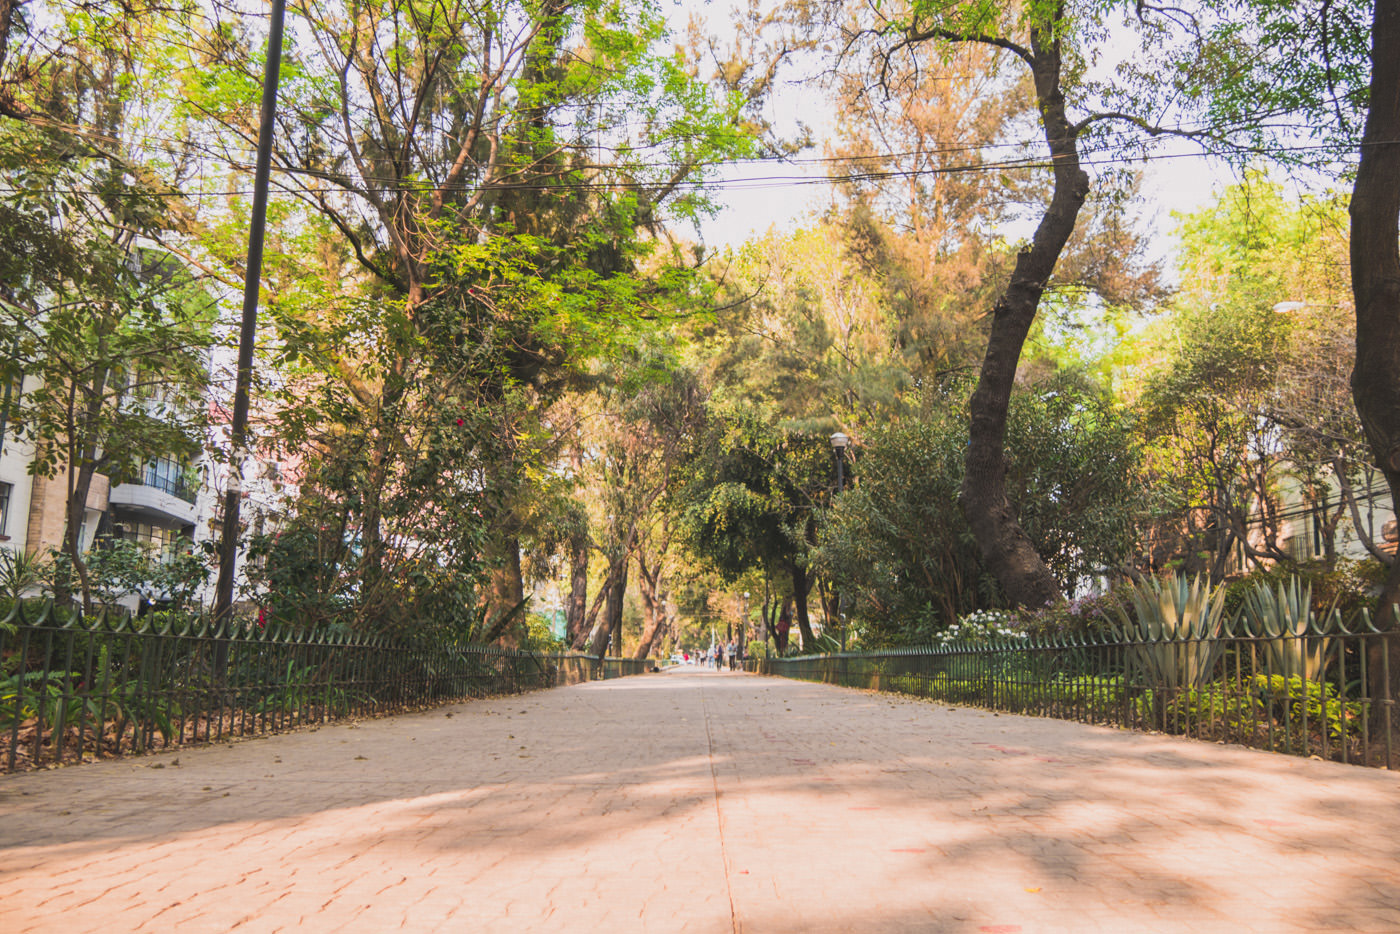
(155,502)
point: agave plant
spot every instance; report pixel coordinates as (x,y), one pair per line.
(20,571)
(1175,633)
(1283,617)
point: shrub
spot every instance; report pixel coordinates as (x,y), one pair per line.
(1175,630)
(1291,699)
(1283,615)
(1215,709)
(981,627)
(1085,619)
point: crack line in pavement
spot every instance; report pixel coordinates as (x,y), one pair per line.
(719,817)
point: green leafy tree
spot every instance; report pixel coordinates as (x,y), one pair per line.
(1247,389)
(751,500)
(104,317)
(897,541)
(1050,42)
(1375,277)
(476,186)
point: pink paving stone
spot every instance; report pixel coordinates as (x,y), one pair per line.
(705,802)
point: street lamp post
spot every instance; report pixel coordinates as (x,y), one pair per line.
(743,640)
(839,442)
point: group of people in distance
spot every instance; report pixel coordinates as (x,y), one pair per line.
(722,655)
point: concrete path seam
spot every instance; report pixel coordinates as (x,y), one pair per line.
(719,815)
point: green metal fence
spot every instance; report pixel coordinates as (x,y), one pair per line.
(1327,693)
(113,685)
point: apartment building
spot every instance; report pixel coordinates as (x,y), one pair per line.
(166,504)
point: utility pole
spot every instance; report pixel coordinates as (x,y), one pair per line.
(238,428)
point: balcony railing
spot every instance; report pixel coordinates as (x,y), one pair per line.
(176,486)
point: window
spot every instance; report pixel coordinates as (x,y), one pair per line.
(168,474)
(5,490)
(162,540)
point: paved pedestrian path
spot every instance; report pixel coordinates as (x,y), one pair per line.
(707,802)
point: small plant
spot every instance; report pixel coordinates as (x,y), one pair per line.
(1093,693)
(1215,709)
(301,688)
(1175,633)
(1084,618)
(20,572)
(981,626)
(1292,699)
(1283,616)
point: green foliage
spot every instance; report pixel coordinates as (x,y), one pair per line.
(108,326)
(1347,587)
(299,574)
(1241,403)
(1272,73)
(304,688)
(1292,700)
(1174,631)
(57,700)
(24,694)
(1283,615)
(120,568)
(540,636)
(751,491)
(898,541)
(445,294)
(1217,709)
(20,570)
(1087,618)
(1291,712)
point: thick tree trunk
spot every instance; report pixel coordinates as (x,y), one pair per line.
(609,636)
(800,589)
(586,633)
(1006,549)
(1375,280)
(653,606)
(507,593)
(577,607)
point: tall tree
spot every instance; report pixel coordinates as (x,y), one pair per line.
(650,408)
(1042,37)
(111,324)
(1245,388)
(486,179)
(752,495)
(1375,272)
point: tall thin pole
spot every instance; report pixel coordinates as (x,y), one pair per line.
(839,442)
(238,430)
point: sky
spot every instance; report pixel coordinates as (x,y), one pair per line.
(785,196)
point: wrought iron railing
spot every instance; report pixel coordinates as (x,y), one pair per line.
(1330,693)
(113,685)
(176,484)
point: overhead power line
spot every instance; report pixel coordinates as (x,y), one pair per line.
(389,186)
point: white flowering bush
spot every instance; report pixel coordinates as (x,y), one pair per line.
(981,626)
